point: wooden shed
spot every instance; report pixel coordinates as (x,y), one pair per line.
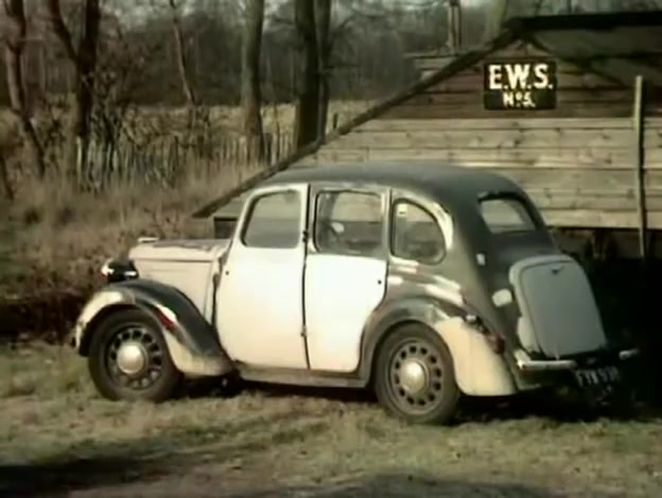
(568,106)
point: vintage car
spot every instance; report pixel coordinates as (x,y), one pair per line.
(422,282)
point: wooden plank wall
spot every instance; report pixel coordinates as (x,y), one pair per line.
(576,161)
(579,171)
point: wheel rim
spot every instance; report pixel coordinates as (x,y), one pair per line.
(415,376)
(134,357)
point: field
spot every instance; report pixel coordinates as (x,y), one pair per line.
(58,437)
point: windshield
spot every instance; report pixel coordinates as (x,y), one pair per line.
(506,214)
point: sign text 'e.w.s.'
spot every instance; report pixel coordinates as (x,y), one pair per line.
(520,84)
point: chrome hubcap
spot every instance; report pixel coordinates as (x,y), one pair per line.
(131,358)
(134,358)
(415,374)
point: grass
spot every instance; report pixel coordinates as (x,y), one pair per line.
(62,237)
(281,441)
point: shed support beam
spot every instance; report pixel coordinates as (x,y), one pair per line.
(640,186)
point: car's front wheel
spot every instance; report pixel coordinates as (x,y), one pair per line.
(129,358)
(414,378)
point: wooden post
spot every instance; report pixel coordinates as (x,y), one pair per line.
(639,176)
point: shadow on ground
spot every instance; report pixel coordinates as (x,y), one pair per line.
(105,476)
(147,459)
(58,478)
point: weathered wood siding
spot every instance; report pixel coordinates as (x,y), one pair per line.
(579,171)
(580,93)
(577,161)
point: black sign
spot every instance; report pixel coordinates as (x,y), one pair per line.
(520,84)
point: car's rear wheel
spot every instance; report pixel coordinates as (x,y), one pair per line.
(129,358)
(414,378)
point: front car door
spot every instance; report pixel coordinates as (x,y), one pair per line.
(260,298)
(345,277)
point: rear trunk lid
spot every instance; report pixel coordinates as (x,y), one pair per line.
(559,314)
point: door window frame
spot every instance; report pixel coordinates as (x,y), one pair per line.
(301,189)
(439,214)
(334,187)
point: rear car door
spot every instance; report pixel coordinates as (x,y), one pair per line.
(345,276)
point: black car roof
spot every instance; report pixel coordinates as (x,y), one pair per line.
(440,180)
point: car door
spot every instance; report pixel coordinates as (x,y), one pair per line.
(345,276)
(260,298)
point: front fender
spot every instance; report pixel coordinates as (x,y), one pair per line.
(478,370)
(192,342)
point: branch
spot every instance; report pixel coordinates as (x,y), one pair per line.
(61,30)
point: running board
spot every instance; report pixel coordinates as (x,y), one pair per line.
(300,377)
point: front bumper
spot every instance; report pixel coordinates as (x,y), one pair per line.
(526,364)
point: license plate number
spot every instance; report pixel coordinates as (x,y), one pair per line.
(597,376)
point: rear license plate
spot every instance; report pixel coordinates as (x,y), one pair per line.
(597,376)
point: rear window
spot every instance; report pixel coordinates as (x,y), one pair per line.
(506,215)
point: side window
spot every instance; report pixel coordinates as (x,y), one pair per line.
(415,234)
(349,223)
(506,215)
(274,221)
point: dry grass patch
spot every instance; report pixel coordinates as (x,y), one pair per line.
(293,439)
(40,370)
(62,237)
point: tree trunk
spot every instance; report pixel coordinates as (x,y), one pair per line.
(4,179)
(87,56)
(84,59)
(308,88)
(323,23)
(251,96)
(14,45)
(180,53)
(454,14)
(496,15)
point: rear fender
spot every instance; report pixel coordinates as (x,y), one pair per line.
(192,342)
(479,371)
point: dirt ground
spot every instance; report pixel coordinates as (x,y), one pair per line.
(57,438)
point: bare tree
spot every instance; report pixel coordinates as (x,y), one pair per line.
(324,47)
(84,59)
(180,52)
(251,96)
(308,87)
(14,36)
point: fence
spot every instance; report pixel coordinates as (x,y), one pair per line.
(170,158)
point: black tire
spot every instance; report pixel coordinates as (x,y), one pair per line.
(437,400)
(160,376)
